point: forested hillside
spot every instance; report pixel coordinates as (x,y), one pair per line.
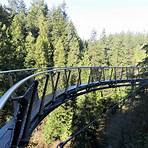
(41,37)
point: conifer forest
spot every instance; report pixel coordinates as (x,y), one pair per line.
(39,37)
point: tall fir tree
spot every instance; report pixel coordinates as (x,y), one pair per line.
(30,61)
(74,51)
(18,35)
(7,58)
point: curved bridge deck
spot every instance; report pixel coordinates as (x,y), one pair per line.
(48,89)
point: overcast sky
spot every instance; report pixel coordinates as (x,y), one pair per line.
(113,15)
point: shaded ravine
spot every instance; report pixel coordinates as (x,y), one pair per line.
(128,128)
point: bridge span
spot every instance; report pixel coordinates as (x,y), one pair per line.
(31,99)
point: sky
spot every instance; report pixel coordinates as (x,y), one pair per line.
(112,15)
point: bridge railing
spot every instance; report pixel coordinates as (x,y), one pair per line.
(10,77)
(47,84)
(62,78)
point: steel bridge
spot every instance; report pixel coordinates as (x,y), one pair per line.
(31,99)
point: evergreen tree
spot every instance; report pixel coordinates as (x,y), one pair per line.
(37,9)
(41,52)
(74,53)
(94,55)
(59,54)
(6,50)
(18,38)
(30,61)
(43,37)
(43,42)
(58,23)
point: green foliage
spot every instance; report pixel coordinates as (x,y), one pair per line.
(59,54)
(41,37)
(29,45)
(74,48)
(6,51)
(18,38)
(58,124)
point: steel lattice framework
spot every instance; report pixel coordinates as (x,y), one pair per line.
(35,96)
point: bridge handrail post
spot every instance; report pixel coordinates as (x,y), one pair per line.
(138,73)
(52,81)
(127,73)
(20,111)
(54,87)
(103,72)
(90,76)
(133,72)
(23,115)
(115,73)
(79,77)
(26,132)
(43,95)
(121,75)
(111,73)
(67,78)
(99,73)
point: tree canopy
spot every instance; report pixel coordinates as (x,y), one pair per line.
(41,37)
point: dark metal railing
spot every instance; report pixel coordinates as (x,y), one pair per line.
(38,94)
(94,74)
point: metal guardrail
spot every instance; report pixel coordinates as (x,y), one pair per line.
(48,89)
(21,70)
(10,77)
(6,96)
